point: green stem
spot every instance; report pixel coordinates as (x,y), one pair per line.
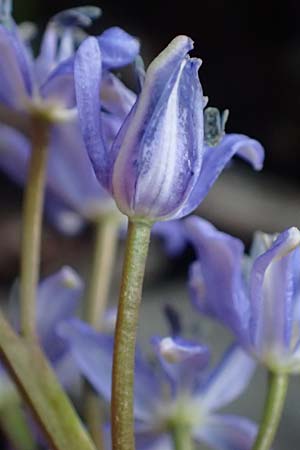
(94,416)
(122,418)
(181,437)
(277,389)
(32,225)
(106,239)
(101,270)
(13,423)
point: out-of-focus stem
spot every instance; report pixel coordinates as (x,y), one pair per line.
(32,224)
(122,419)
(106,238)
(277,389)
(181,437)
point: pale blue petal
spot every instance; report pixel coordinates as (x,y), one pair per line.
(64,219)
(118,48)
(227,381)
(68,163)
(58,299)
(227,432)
(116,98)
(215,160)
(60,89)
(15,77)
(152,441)
(14,153)
(88,74)
(93,352)
(182,360)
(216,283)
(47,58)
(271,293)
(82,16)
(173,236)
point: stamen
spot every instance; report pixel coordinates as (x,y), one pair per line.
(214,125)
(28,31)
(5,8)
(77,17)
(6,13)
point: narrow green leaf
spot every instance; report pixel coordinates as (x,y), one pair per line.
(42,392)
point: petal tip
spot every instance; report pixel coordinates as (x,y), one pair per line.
(70,279)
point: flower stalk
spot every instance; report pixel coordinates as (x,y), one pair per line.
(122,419)
(32,224)
(277,389)
(181,437)
(106,238)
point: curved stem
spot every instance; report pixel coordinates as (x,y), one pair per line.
(277,389)
(122,418)
(32,224)
(181,437)
(106,238)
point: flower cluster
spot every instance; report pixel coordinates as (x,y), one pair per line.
(150,157)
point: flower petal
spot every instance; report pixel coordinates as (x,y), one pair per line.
(118,48)
(87,72)
(68,163)
(64,219)
(182,360)
(116,98)
(82,16)
(93,353)
(60,88)
(271,291)
(15,77)
(14,153)
(159,147)
(227,381)
(227,432)
(47,58)
(214,161)
(173,236)
(216,284)
(58,298)
(149,441)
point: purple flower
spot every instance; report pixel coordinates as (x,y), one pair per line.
(157,167)
(57,301)
(180,390)
(173,236)
(47,83)
(68,203)
(256,296)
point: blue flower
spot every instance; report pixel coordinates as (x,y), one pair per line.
(46,83)
(256,296)
(157,168)
(180,389)
(68,203)
(57,301)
